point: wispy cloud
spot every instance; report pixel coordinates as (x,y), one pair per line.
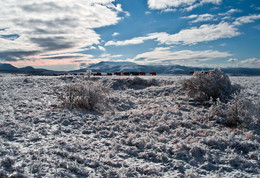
(190,36)
(164,55)
(164,4)
(250,62)
(133,41)
(203,33)
(184,4)
(232,60)
(115,34)
(200,18)
(106,55)
(101,48)
(169,10)
(246,19)
(229,12)
(257,27)
(202,2)
(211,17)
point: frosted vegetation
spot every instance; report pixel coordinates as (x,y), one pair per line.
(163,126)
(211,85)
(91,96)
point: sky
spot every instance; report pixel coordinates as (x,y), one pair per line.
(71,34)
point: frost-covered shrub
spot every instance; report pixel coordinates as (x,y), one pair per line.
(204,86)
(88,72)
(88,95)
(239,111)
(133,83)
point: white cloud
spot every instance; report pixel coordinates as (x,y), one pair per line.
(101,48)
(248,63)
(53,25)
(246,19)
(127,14)
(203,17)
(163,4)
(251,62)
(115,34)
(162,55)
(90,48)
(190,36)
(193,16)
(211,1)
(186,4)
(234,60)
(116,56)
(133,41)
(199,18)
(202,34)
(229,12)
(109,56)
(169,10)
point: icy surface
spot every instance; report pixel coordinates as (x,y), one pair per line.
(150,129)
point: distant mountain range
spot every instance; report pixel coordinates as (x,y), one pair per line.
(111,67)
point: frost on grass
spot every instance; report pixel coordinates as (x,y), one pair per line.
(89,95)
(204,86)
(153,132)
(241,111)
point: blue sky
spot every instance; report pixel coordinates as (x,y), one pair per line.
(71,34)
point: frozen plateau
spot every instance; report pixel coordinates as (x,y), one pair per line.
(148,128)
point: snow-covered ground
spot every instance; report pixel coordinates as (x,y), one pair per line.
(148,130)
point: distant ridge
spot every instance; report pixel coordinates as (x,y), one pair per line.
(8,68)
(111,67)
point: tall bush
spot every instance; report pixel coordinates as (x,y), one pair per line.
(214,84)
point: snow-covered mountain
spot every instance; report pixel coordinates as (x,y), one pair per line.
(105,66)
(160,69)
(133,67)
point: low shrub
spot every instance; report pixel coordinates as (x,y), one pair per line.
(240,111)
(137,81)
(204,86)
(91,96)
(131,82)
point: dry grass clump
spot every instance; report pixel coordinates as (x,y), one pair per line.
(204,86)
(89,95)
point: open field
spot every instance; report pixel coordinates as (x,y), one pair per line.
(149,128)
